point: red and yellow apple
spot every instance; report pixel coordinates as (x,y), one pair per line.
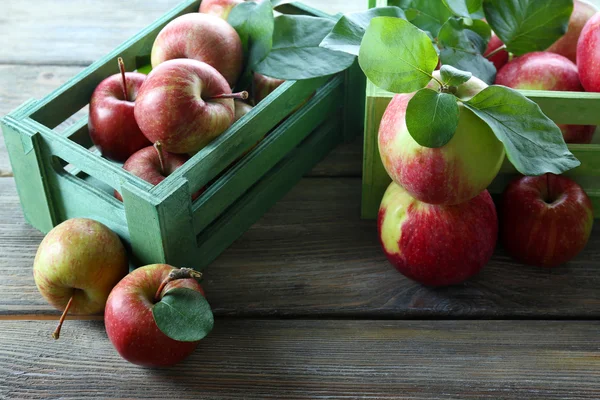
(588,55)
(263,85)
(566,46)
(451,174)
(546,220)
(218,8)
(547,71)
(437,245)
(202,37)
(500,58)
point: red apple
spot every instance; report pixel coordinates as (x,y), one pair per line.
(451,174)
(202,37)
(500,58)
(111,122)
(263,86)
(547,71)
(153,165)
(588,55)
(219,8)
(241,109)
(567,45)
(130,324)
(437,245)
(180,105)
(546,220)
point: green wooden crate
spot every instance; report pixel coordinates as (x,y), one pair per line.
(562,107)
(58,177)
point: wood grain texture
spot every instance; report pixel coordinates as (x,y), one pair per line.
(311,255)
(307,359)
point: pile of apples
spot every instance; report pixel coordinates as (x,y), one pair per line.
(184,103)
(437,222)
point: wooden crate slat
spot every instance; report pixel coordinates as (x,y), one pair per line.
(354,99)
(222,193)
(577,108)
(266,192)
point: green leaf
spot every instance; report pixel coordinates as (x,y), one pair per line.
(528,25)
(432,117)
(474,6)
(458,7)
(296,53)
(396,56)
(403,4)
(462,48)
(254,23)
(428,15)
(533,143)
(350,29)
(454,77)
(183,314)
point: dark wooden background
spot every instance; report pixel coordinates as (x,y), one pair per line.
(306,304)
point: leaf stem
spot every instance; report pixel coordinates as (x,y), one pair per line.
(499,49)
(442,84)
(176,274)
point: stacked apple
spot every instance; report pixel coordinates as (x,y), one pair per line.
(184,103)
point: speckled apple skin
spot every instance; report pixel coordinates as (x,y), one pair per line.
(500,58)
(451,174)
(437,245)
(547,71)
(542,234)
(218,8)
(170,106)
(202,37)
(588,55)
(130,324)
(111,122)
(566,46)
(81,258)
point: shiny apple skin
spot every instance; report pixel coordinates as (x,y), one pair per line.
(218,8)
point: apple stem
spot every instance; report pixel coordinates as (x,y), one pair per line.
(56,333)
(176,274)
(161,159)
(499,49)
(549,198)
(124,85)
(240,96)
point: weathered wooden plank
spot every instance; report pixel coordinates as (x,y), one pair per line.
(311,359)
(312,255)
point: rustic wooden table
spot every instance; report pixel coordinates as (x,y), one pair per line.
(306,305)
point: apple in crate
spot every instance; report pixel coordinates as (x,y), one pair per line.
(546,220)
(451,174)
(130,321)
(241,108)
(219,8)
(437,245)
(500,57)
(77,265)
(111,122)
(566,46)
(263,86)
(588,54)
(185,104)
(547,71)
(202,37)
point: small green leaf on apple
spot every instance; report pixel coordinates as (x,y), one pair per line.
(528,25)
(350,29)
(533,143)
(296,53)
(454,77)
(183,314)
(397,56)
(432,117)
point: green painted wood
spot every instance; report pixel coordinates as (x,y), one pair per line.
(575,108)
(79,133)
(241,176)
(354,102)
(267,192)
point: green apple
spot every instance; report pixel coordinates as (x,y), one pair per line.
(77,265)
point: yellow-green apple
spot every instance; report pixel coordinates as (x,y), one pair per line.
(543,70)
(263,85)
(241,108)
(219,8)
(567,45)
(77,265)
(588,55)
(546,220)
(500,57)
(111,122)
(130,323)
(451,174)
(184,104)
(202,37)
(437,245)
(153,165)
